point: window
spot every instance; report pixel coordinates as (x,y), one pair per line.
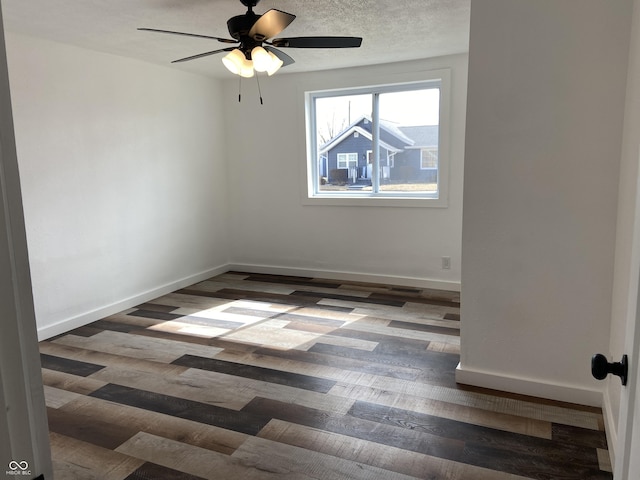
(378,145)
(346,160)
(429,158)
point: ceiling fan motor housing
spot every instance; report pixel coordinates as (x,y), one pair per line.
(240,25)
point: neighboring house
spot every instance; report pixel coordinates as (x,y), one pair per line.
(407,154)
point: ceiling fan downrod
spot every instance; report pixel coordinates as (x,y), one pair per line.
(250,4)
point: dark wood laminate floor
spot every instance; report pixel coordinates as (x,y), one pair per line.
(248,376)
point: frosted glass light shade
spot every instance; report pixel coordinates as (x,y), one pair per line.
(276,63)
(234,61)
(246,70)
(261,59)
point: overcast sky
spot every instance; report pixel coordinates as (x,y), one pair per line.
(417,107)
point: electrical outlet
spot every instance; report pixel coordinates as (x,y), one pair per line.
(446,263)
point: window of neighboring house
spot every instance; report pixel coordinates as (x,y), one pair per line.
(429,158)
(383,129)
(347,160)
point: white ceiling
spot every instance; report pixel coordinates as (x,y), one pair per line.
(392,30)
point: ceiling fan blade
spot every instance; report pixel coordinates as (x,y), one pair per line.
(318,42)
(206,54)
(223,40)
(270,24)
(286,59)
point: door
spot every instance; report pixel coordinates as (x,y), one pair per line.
(628,457)
(627,463)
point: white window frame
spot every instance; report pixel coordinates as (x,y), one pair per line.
(313,195)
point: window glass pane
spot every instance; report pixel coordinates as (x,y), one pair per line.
(343,136)
(409,140)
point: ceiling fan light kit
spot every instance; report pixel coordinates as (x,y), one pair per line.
(260,61)
(254,51)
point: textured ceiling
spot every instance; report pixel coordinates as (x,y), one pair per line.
(392,30)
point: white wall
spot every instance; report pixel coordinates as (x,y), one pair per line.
(270,225)
(544,122)
(123,173)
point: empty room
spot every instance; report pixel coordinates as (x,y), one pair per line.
(320,240)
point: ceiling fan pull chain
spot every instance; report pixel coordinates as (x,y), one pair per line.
(239,88)
(259,91)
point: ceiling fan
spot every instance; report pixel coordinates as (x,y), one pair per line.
(255,48)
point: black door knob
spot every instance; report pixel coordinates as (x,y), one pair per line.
(600,367)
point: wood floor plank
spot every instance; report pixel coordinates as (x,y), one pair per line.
(133,320)
(246,285)
(75,459)
(240,389)
(269,375)
(353,299)
(408,312)
(444,348)
(178,429)
(317,365)
(319,311)
(135,346)
(579,436)
(386,343)
(189,388)
(88,428)
(157,472)
(530,465)
(359,428)
(536,411)
(288,461)
(70,383)
(604,460)
(435,367)
(424,327)
(66,365)
(475,416)
(195,302)
(383,456)
(56,397)
(345,363)
(196,461)
(556,454)
(111,359)
(239,421)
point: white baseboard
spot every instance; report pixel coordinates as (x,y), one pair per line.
(63,326)
(535,388)
(348,276)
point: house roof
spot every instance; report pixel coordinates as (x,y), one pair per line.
(422,135)
(349,131)
(409,137)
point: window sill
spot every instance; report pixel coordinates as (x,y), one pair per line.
(374,201)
